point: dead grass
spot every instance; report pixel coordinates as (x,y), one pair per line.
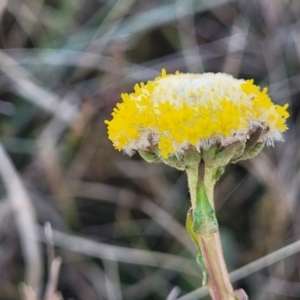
(118,223)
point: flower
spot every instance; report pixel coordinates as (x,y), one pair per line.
(178,112)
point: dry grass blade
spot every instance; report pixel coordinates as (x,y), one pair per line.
(174,293)
(187,35)
(25,219)
(3,4)
(50,293)
(162,15)
(251,268)
(54,266)
(26,86)
(112,280)
(28,293)
(104,192)
(123,254)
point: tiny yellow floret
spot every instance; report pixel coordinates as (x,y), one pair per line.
(176,112)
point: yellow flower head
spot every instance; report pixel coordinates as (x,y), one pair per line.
(175,113)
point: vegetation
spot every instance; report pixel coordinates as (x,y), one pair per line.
(76,212)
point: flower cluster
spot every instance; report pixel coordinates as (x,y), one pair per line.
(177,112)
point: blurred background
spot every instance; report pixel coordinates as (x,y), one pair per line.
(80,220)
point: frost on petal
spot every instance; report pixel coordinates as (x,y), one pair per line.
(194,110)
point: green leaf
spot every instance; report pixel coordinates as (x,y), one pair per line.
(204,217)
(194,237)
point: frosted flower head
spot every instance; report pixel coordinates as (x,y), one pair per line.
(176,114)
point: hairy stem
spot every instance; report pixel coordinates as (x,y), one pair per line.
(218,283)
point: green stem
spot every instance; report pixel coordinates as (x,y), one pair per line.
(218,284)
